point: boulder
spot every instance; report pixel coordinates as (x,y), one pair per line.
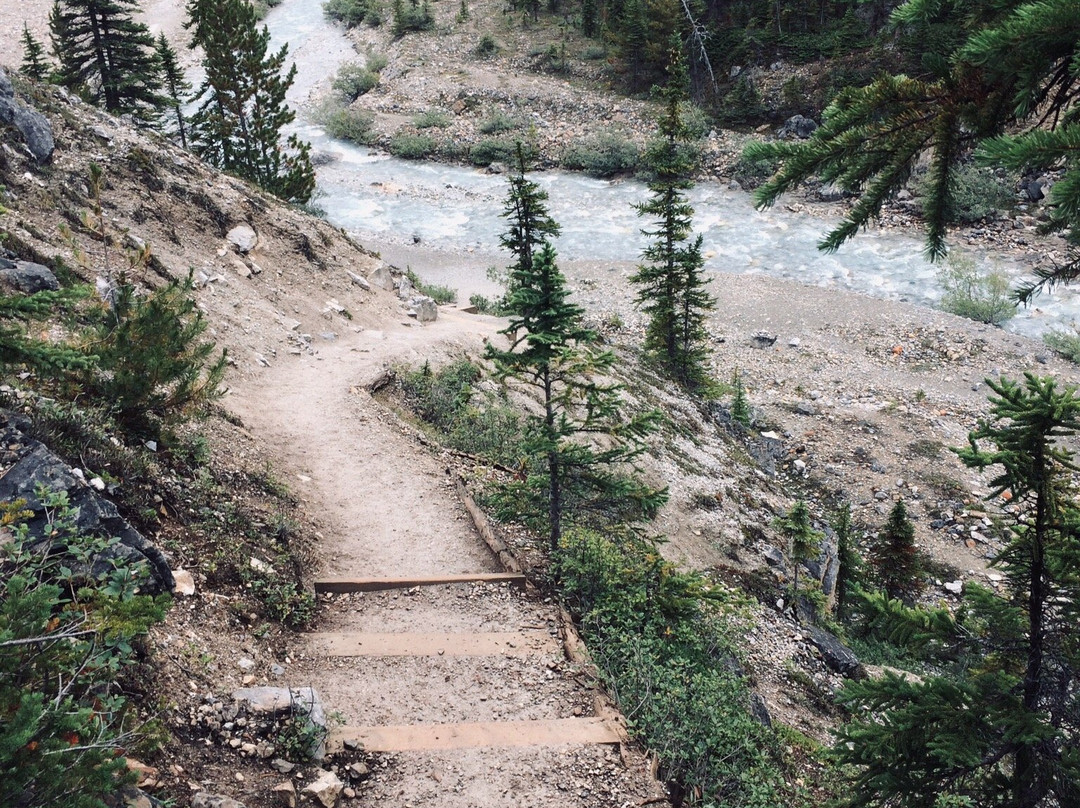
(831,193)
(243,237)
(326,789)
(286,702)
(426,309)
(30,464)
(359,281)
(381,278)
(797,126)
(837,656)
(28,277)
(34,127)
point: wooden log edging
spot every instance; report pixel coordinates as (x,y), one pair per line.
(498,546)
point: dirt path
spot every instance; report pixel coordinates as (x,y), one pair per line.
(463,689)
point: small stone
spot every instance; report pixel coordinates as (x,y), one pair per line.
(248,679)
(97,483)
(243,237)
(245,664)
(285,793)
(282,766)
(184,583)
(326,789)
(349,793)
(276,670)
(794,342)
(956,587)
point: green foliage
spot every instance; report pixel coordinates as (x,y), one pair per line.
(999,68)
(154,368)
(495,150)
(354,12)
(34,66)
(742,103)
(347,123)
(299,736)
(106,55)
(601,155)
(284,600)
(19,349)
(976,193)
(983,297)
(998,725)
(498,122)
(665,644)
(1064,343)
(670,280)
(176,87)
(66,635)
(468,420)
(440,294)
(486,46)
(432,119)
(849,576)
(740,407)
(803,542)
(242,109)
(354,80)
(896,559)
(412,15)
(750,172)
(411,147)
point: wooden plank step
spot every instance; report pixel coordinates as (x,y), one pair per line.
(348,644)
(435,737)
(343,585)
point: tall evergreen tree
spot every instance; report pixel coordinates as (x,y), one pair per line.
(242,109)
(671,284)
(529,223)
(1006,91)
(34,65)
(896,558)
(999,723)
(553,353)
(176,87)
(106,54)
(850,562)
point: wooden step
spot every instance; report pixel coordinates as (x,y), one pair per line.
(348,644)
(343,585)
(434,737)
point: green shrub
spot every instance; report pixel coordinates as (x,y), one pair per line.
(752,173)
(375,62)
(347,123)
(664,643)
(486,305)
(65,715)
(154,368)
(432,118)
(284,600)
(975,193)
(593,53)
(486,46)
(440,294)
(411,147)
(412,15)
(695,121)
(497,122)
(742,103)
(495,150)
(354,80)
(354,12)
(1064,343)
(603,155)
(970,293)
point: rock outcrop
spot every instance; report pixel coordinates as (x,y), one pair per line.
(34,127)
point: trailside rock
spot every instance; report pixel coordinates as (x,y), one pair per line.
(31,464)
(836,655)
(34,127)
(424,308)
(381,278)
(28,277)
(797,126)
(244,237)
(284,702)
(326,789)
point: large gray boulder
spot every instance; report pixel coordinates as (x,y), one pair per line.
(30,468)
(27,277)
(34,127)
(797,126)
(836,655)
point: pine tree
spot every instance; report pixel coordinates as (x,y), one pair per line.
(803,542)
(850,562)
(671,284)
(106,54)
(1014,71)
(34,65)
(590,14)
(998,722)
(529,223)
(896,558)
(740,407)
(553,353)
(237,126)
(176,87)
(18,349)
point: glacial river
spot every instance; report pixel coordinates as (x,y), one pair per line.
(455,209)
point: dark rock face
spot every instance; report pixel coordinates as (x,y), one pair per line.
(836,655)
(30,464)
(32,125)
(27,277)
(797,126)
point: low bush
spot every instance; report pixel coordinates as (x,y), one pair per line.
(486,46)
(411,147)
(976,193)
(603,155)
(497,122)
(664,643)
(496,150)
(354,80)
(353,12)
(432,119)
(983,297)
(440,294)
(412,15)
(750,173)
(1064,343)
(592,53)
(347,123)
